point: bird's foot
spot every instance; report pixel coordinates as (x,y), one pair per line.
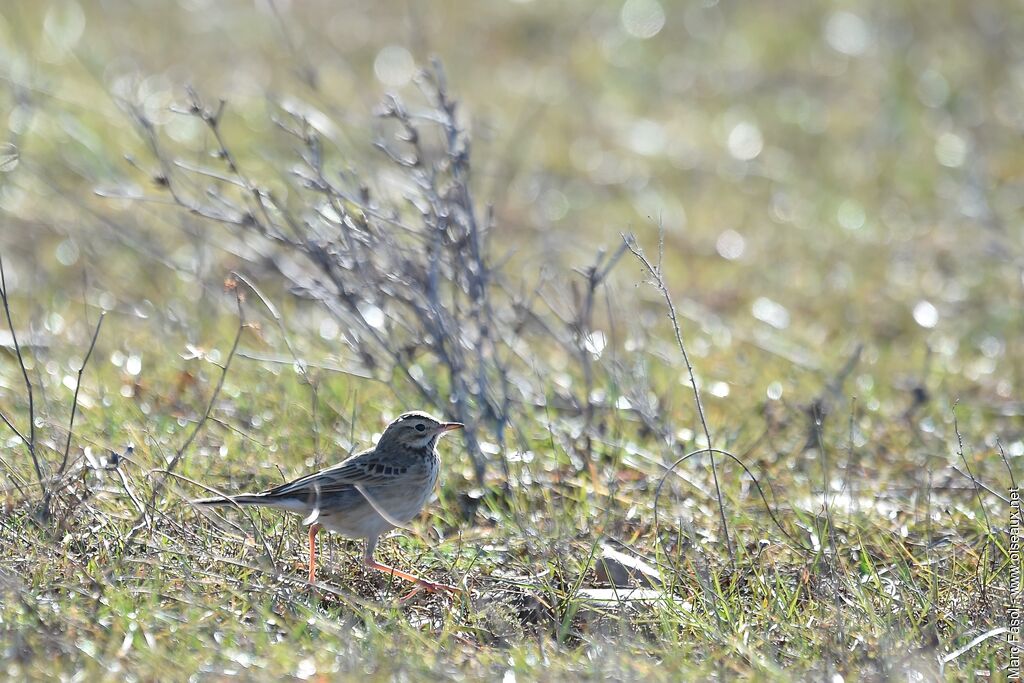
(430,587)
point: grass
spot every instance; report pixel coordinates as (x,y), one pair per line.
(840,201)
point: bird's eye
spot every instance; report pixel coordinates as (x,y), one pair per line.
(420,427)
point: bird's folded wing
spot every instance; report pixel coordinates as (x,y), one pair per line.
(356,471)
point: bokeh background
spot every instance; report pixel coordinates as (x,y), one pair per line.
(826,173)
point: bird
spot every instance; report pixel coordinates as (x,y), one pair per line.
(366,494)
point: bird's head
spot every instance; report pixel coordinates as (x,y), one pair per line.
(415,430)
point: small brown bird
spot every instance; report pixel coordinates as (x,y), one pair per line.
(367,494)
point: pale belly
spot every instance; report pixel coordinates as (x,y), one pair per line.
(376,510)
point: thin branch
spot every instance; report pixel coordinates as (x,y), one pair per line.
(1006,463)
(74,400)
(976,483)
(30,442)
(970,474)
(326,366)
(658,281)
(216,391)
(168,471)
(14,429)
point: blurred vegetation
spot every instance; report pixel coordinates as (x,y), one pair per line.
(840,187)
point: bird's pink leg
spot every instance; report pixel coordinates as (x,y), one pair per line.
(421,584)
(313,529)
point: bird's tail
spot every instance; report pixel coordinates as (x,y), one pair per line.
(243,499)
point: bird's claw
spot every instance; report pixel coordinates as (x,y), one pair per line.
(430,587)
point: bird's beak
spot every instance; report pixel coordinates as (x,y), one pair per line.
(450,426)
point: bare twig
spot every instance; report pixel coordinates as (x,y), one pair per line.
(74,400)
(29,442)
(984,566)
(658,281)
(17,432)
(1006,464)
(139,523)
(977,484)
(582,328)
(49,492)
